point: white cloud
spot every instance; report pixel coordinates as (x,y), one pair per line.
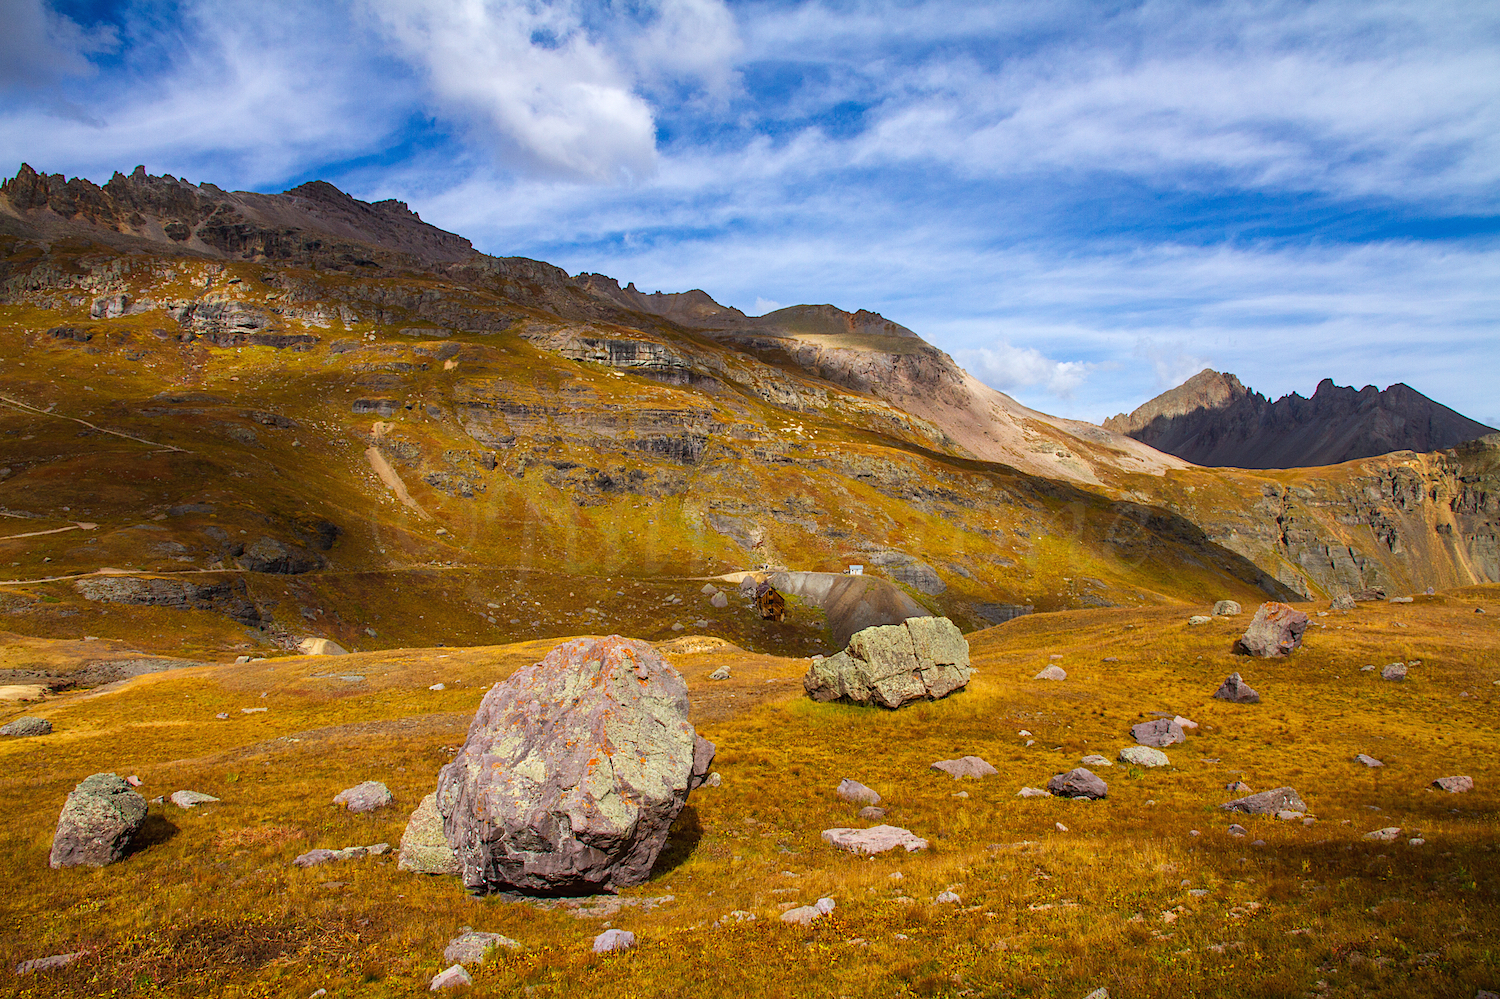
(763,306)
(38,44)
(1010,368)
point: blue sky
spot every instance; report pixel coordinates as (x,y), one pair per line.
(1083,202)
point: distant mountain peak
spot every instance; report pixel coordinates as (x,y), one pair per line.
(1212,419)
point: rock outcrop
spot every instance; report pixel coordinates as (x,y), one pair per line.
(923,658)
(573,771)
(1211,419)
(98,822)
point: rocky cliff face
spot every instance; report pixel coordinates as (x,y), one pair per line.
(1211,419)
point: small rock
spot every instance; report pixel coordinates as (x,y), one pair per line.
(1342,602)
(959,794)
(1289,815)
(450,978)
(1235,829)
(23,727)
(1158,732)
(1236,691)
(1400,600)
(222,715)
(804,915)
(614,939)
(947,898)
(968,766)
(1144,756)
(1052,673)
(1386,835)
(253,711)
(709,589)
(876,839)
(1098,994)
(49,963)
(470,947)
(1267,802)
(719,600)
(1198,619)
(1226,608)
(1033,792)
(1368,761)
(190,799)
(364,797)
(133,780)
(313,858)
(856,793)
(1060,827)
(713,780)
(1078,783)
(1416,841)
(1186,724)
(1238,787)
(722,673)
(1454,785)
(438,686)
(1095,760)
(1259,842)
(1394,671)
(871,812)
(1110,659)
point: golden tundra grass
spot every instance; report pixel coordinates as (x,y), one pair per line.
(1128,897)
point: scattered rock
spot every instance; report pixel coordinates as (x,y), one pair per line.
(190,799)
(1368,761)
(1454,785)
(722,673)
(424,847)
(1235,829)
(1275,630)
(23,727)
(876,839)
(470,947)
(1236,691)
(713,780)
(1394,671)
(312,858)
(1158,732)
(1198,619)
(856,793)
(321,647)
(1098,994)
(1342,602)
(613,940)
(1289,815)
(1078,783)
(1400,600)
(804,915)
(49,963)
(1267,802)
(573,771)
(947,898)
(438,686)
(1052,673)
(1238,787)
(968,766)
(1144,756)
(1386,835)
(450,978)
(97,822)
(364,797)
(719,600)
(709,589)
(871,812)
(1033,792)
(1095,760)
(1186,724)
(1226,608)
(923,658)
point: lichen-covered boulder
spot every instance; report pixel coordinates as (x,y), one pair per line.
(1275,630)
(1158,733)
(424,847)
(923,658)
(1267,802)
(98,821)
(573,772)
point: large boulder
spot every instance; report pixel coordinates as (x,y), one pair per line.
(26,726)
(1078,783)
(1158,733)
(424,847)
(1275,630)
(98,822)
(1267,802)
(573,772)
(923,658)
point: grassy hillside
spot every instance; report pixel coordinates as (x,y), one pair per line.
(1127,897)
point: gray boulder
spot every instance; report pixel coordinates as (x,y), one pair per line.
(450,978)
(1226,608)
(804,915)
(364,797)
(967,766)
(923,658)
(1078,783)
(1144,756)
(1033,792)
(1267,802)
(1342,602)
(1275,630)
(876,839)
(424,848)
(25,726)
(1368,761)
(1454,785)
(470,947)
(613,939)
(573,771)
(1236,691)
(190,799)
(856,793)
(1394,671)
(719,600)
(1158,732)
(1052,673)
(98,821)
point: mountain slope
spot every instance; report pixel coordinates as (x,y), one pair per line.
(1211,419)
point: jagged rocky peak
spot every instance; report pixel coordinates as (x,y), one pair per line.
(1212,419)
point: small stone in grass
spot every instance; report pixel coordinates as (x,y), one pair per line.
(1061,827)
(1394,671)
(859,794)
(1235,829)
(722,673)
(1368,761)
(1144,756)
(947,898)
(615,939)
(1454,785)
(871,812)
(190,799)
(1095,760)
(364,797)
(1386,835)
(450,978)
(1237,787)
(1052,673)
(1033,792)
